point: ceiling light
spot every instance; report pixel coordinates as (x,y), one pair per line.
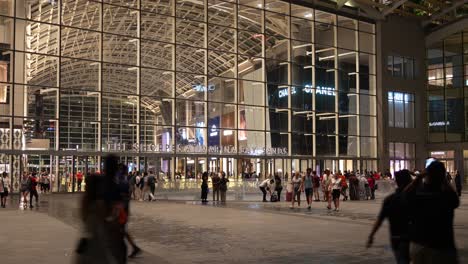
(259,5)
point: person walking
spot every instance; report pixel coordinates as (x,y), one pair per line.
(344,187)
(33,190)
(265,186)
(132,182)
(297,189)
(316,180)
(5,187)
(223,187)
(326,187)
(152,185)
(353,187)
(104,219)
(46,182)
(432,202)
(204,187)
(336,190)
(395,209)
(79,180)
(24,189)
(215,180)
(308,187)
(371,183)
(278,186)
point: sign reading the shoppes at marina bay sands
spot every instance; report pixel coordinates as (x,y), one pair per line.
(181,148)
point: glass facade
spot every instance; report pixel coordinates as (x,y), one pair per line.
(181,87)
(400,110)
(447,71)
(402,156)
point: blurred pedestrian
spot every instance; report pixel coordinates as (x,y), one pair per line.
(24,189)
(371,183)
(278,186)
(5,187)
(296,182)
(32,185)
(104,219)
(309,187)
(395,209)
(223,187)
(344,187)
(215,180)
(432,202)
(316,180)
(204,187)
(326,188)
(336,190)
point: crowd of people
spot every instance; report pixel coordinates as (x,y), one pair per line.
(331,186)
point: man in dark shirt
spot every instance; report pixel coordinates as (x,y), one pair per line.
(394,208)
(432,203)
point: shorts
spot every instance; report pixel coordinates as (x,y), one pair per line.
(309,191)
(336,194)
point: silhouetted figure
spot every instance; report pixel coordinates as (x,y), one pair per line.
(104,218)
(432,202)
(395,209)
(204,187)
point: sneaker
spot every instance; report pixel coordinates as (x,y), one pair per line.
(337,209)
(328,207)
(136,251)
(291,207)
(309,207)
(31,207)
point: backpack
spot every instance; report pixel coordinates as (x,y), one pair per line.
(274,197)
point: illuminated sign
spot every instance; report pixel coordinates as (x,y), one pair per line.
(214,131)
(322,90)
(439,123)
(202,88)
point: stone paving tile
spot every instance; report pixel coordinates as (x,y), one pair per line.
(188,232)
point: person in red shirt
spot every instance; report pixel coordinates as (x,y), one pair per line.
(344,187)
(79,179)
(33,190)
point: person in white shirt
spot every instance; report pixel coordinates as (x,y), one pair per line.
(5,187)
(336,190)
(326,187)
(265,186)
(297,189)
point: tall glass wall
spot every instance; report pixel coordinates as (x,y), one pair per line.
(447,73)
(173,83)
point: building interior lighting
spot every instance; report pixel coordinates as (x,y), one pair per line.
(227,132)
(246,69)
(308,15)
(339,55)
(301,46)
(132,68)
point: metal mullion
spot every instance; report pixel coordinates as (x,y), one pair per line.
(174,92)
(100,79)
(314,94)
(138,110)
(236,76)
(358,94)
(335,70)
(205,72)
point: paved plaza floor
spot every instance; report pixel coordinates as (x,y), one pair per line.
(189,232)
